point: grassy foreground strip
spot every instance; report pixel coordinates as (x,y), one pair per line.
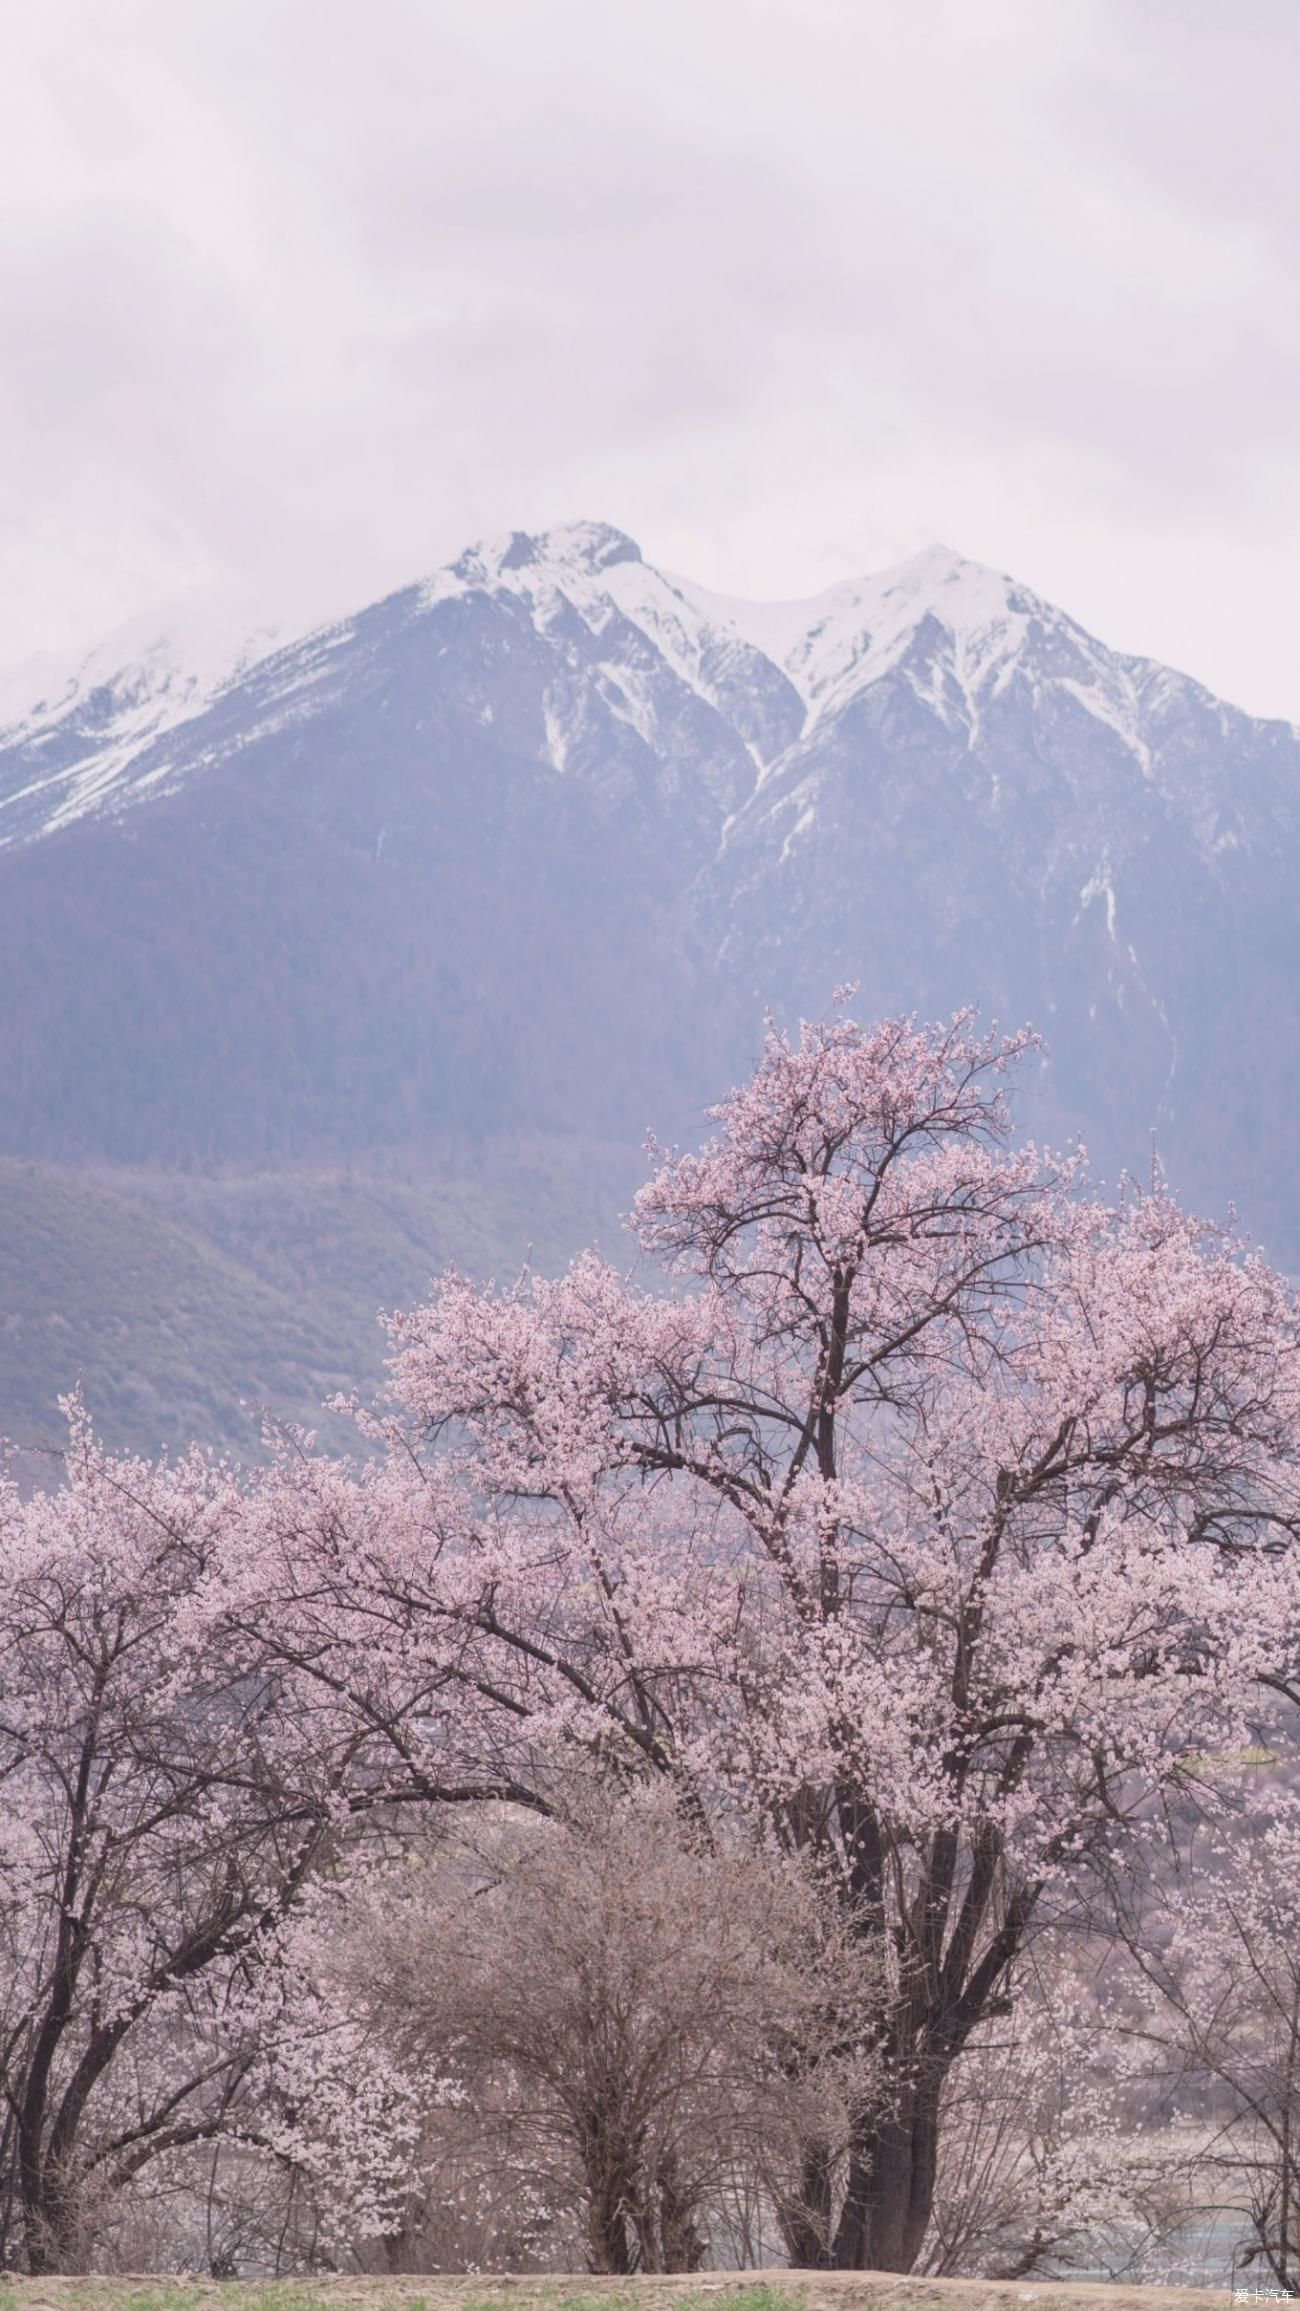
(721,2291)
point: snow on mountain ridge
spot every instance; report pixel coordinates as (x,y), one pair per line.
(184,650)
(600,572)
(858,628)
(77,723)
(966,627)
(86,735)
(957,630)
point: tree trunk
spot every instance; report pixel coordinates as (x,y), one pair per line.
(50,2229)
(808,2223)
(681,2244)
(608,2171)
(893,2165)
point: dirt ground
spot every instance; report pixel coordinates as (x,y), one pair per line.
(828,2291)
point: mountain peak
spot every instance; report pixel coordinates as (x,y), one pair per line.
(969,599)
(578,548)
(965,589)
(835,643)
(590,545)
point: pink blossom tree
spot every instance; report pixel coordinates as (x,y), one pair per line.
(933,1517)
(1219,2011)
(158,1811)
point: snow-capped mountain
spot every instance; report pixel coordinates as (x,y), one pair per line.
(72,728)
(529,845)
(780,675)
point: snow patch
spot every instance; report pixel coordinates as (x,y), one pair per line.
(1100,886)
(807,819)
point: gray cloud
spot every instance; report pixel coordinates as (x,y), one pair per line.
(301,296)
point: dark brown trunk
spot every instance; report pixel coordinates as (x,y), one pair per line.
(50,2239)
(890,2190)
(610,2200)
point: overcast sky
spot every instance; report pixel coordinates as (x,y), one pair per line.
(300,296)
